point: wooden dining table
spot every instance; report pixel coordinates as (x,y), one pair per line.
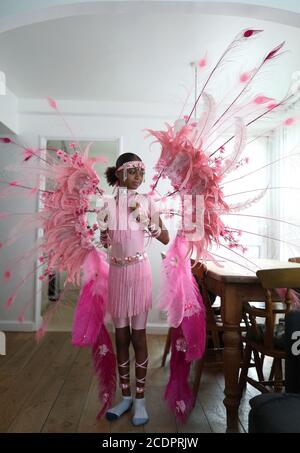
(236,284)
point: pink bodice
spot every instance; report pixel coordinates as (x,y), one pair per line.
(128,238)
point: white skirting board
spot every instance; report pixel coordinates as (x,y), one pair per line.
(14,326)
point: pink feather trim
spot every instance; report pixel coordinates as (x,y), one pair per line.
(89,328)
(90,309)
(181,297)
(104,360)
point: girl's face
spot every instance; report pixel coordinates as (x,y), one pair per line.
(135,177)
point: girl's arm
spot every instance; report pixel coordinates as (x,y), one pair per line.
(102,218)
(155,225)
(162,234)
(104,238)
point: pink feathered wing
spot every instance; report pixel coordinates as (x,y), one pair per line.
(180,296)
(89,328)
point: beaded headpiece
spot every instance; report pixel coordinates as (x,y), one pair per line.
(131,164)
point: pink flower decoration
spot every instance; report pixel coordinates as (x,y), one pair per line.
(261,100)
(10,301)
(7,275)
(52,103)
(248,33)
(41,332)
(202,62)
(28,153)
(181,345)
(180,406)
(274,52)
(21,317)
(289,121)
(244,77)
(103,350)
(272,106)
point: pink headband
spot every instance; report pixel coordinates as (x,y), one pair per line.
(133,164)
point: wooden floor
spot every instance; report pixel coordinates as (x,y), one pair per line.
(50,387)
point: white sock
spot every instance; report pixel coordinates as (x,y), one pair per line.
(140,413)
(116,411)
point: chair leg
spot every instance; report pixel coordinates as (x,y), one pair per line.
(167,348)
(259,366)
(278,384)
(216,339)
(245,368)
(271,377)
(198,374)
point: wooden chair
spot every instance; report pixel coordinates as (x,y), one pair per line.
(214,324)
(267,338)
(295,259)
(214,327)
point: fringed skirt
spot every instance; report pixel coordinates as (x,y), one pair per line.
(129,289)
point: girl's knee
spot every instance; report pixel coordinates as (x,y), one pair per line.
(123,338)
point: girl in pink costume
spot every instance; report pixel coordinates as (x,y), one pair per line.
(130,280)
(198,156)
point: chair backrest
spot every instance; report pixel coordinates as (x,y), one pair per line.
(279,278)
(295,259)
(199,271)
(282,280)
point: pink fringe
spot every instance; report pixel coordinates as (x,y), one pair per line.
(130,289)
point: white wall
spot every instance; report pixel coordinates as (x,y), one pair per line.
(9,111)
(17,203)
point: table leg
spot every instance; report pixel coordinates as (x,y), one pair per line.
(231,315)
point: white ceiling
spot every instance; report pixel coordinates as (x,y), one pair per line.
(138,58)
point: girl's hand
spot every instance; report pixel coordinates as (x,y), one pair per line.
(139,214)
(102,218)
